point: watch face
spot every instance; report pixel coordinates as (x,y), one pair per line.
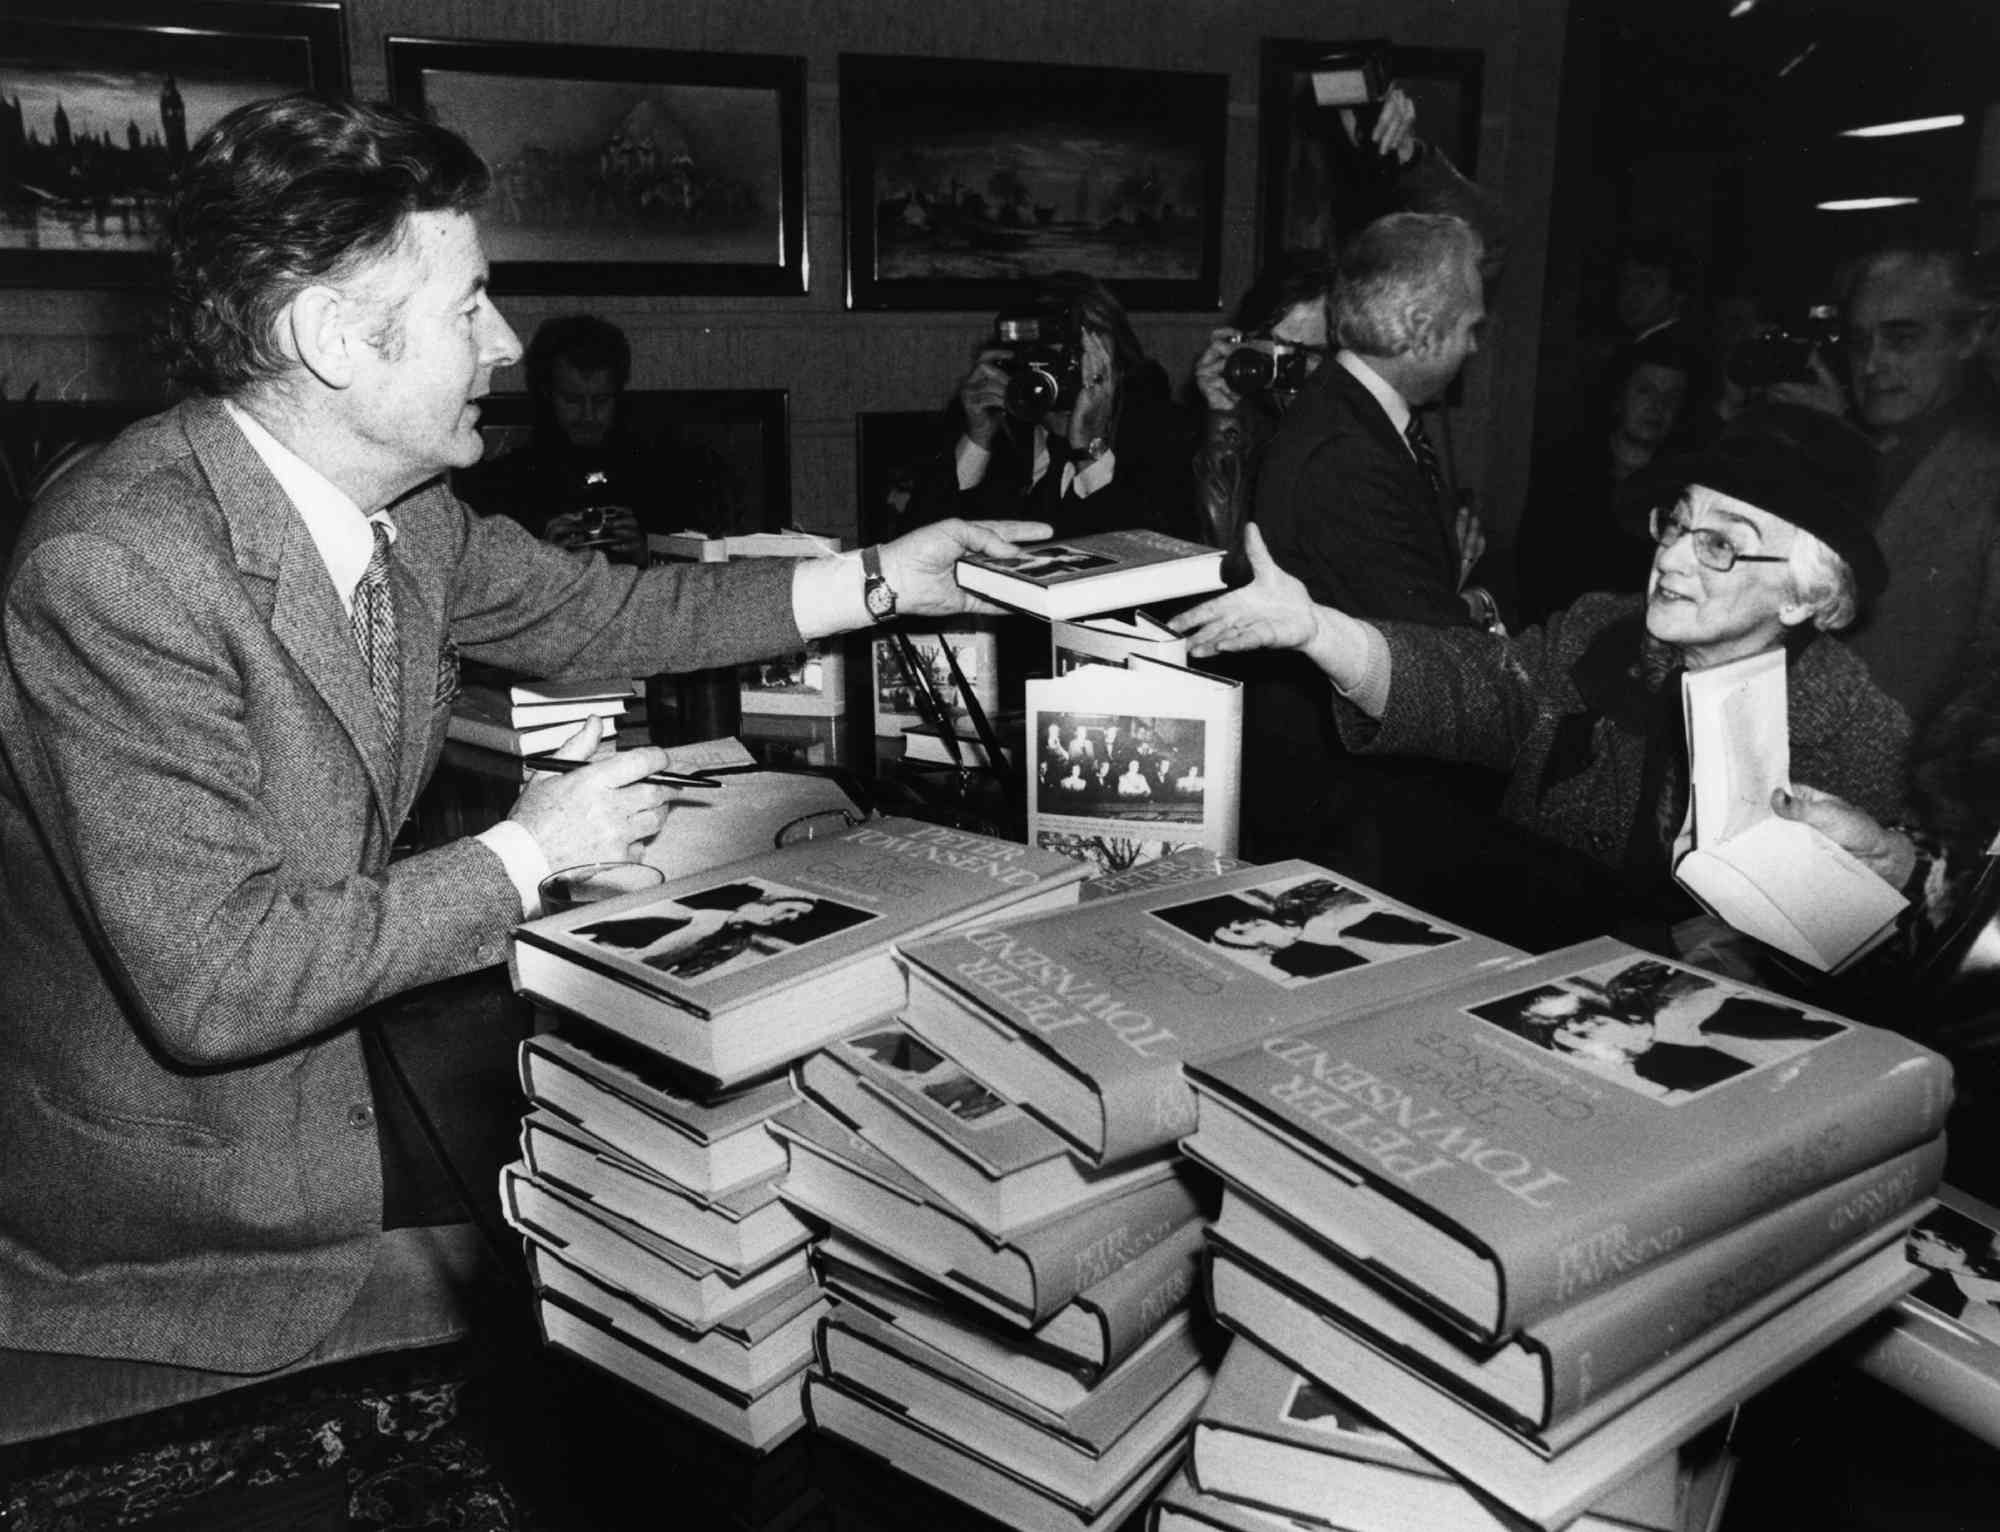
(880,600)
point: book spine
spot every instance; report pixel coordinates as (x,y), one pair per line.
(1844,1134)
(1082,1250)
(1144,1294)
(1938,1363)
(1598,1344)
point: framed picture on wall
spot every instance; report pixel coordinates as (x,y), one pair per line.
(99,101)
(891,448)
(1318,178)
(723,455)
(965,180)
(625,170)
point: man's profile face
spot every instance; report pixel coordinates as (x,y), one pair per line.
(1911,353)
(412,400)
(584,403)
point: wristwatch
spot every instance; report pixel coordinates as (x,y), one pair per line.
(1096,449)
(876,592)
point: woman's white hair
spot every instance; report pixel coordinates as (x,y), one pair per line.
(1823,581)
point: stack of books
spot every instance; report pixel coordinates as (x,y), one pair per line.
(1549,1224)
(532,717)
(647,1186)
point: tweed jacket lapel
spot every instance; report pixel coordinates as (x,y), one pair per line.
(283,573)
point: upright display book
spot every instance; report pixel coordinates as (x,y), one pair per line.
(1132,764)
(1548,1374)
(1272,1436)
(839,1178)
(1553,1487)
(1533,1136)
(1087,1020)
(1112,640)
(643,1107)
(1941,1344)
(739,1232)
(1015,1499)
(1000,1167)
(1780,881)
(973,643)
(741,969)
(746,1352)
(1100,572)
(1190,864)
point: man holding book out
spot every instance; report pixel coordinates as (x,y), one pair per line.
(231,644)
(1762,543)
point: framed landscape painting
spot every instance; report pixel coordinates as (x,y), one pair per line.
(966,180)
(99,101)
(1315,184)
(625,170)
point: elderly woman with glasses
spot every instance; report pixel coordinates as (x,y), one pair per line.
(1760,544)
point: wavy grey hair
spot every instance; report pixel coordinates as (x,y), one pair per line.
(1398,267)
(1823,581)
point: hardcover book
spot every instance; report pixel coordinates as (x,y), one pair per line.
(1941,1344)
(1112,640)
(1087,1020)
(747,1352)
(1532,1478)
(1000,1167)
(1547,1374)
(1507,1148)
(1085,1473)
(1273,1437)
(1071,577)
(810,682)
(1134,763)
(647,1110)
(741,969)
(1190,864)
(923,1453)
(697,1293)
(526,707)
(471,724)
(740,1232)
(1097,1330)
(839,1178)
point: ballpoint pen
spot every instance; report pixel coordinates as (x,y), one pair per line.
(661,778)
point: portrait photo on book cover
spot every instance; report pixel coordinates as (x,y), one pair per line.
(1049,560)
(723,929)
(1317,1408)
(1658,1029)
(929,1072)
(1120,766)
(1961,1257)
(1295,930)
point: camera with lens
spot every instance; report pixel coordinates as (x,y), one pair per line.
(1272,366)
(1044,360)
(1784,353)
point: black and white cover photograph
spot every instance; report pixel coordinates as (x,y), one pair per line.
(1300,929)
(724,929)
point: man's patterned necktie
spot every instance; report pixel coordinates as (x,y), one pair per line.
(374,620)
(1427,458)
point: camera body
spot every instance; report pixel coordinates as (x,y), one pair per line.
(1044,360)
(1783,354)
(1354,76)
(1274,366)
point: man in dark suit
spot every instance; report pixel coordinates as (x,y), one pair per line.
(1351,500)
(231,644)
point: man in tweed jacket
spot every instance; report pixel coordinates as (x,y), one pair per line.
(202,781)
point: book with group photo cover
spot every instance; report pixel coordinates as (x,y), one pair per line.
(1129,764)
(635,1101)
(1071,1350)
(842,1180)
(998,1165)
(1941,1344)
(743,968)
(1532,1136)
(1086,1021)
(1271,1436)
(1548,1483)
(1546,1376)
(1069,577)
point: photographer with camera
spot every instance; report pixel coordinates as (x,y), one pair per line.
(1063,419)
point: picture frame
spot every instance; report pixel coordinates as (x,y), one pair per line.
(732,445)
(103,98)
(625,170)
(1306,170)
(966,180)
(891,449)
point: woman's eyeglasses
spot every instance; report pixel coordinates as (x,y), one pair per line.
(1712,549)
(816,826)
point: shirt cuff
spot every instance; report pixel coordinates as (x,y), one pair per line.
(971,460)
(1370,691)
(1094,475)
(827,596)
(521,855)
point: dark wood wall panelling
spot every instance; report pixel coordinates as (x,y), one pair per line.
(89,344)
